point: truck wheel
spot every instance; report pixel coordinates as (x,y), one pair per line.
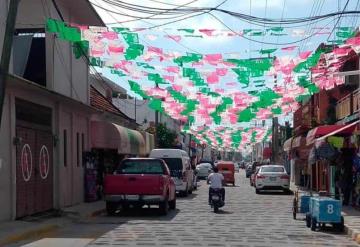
(164,207)
(172,204)
(111,208)
(257,191)
(313,224)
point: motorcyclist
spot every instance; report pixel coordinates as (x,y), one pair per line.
(216,181)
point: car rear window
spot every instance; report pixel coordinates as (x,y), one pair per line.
(272,169)
(141,167)
(174,164)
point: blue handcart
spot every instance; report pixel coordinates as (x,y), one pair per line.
(301,203)
(324,210)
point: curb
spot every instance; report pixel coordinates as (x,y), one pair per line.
(355,235)
(28,234)
(97,212)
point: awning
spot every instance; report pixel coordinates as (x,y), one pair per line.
(149,142)
(329,130)
(287,144)
(293,142)
(108,135)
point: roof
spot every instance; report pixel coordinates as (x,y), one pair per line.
(100,102)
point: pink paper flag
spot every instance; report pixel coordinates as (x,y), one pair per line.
(305,54)
(213,78)
(289,48)
(116,49)
(176,38)
(208,32)
(110,35)
(169,78)
(221,71)
(172,69)
(155,50)
(177,87)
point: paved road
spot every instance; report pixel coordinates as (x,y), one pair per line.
(246,220)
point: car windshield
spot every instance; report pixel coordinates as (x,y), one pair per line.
(141,167)
(272,169)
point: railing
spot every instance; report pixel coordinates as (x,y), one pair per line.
(356,100)
(343,107)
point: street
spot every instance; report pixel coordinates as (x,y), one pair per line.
(246,220)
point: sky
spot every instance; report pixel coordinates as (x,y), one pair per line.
(238,45)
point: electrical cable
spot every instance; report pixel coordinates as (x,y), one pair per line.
(267,43)
(347,2)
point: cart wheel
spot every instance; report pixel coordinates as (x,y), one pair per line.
(313,224)
(339,226)
(308,220)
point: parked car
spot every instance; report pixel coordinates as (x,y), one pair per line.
(203,170)
(207,161)
(272,177)
(138,182)
(178,162)
(253,176)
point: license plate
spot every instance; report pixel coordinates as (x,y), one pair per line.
(132,197)
(272,178)
(215,197)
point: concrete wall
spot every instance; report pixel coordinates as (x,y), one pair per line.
(144,114)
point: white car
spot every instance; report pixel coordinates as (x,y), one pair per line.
(272,177)
(203,170)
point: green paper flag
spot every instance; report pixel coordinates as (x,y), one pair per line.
(137,89)
(246,115)
(156,105)
(133,51)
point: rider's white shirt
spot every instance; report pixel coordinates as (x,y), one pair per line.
(216,180)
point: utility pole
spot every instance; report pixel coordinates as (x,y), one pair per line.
(6,50)
(135,109)
(156,129)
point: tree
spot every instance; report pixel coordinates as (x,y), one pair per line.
(165,136)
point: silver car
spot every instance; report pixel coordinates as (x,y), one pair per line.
(272,177)
(203,170)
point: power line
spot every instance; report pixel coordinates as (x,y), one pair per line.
(347,2)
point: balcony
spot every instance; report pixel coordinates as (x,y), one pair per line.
(348,105)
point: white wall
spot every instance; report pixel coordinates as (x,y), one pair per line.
(144,113)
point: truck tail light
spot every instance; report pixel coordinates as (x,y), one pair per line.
(260,177)
(285,177)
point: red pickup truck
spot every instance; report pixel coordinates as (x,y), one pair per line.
(139,182)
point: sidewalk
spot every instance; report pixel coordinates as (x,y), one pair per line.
(352,222)
(30,227)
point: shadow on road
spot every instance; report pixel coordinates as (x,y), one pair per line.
(145,214)
(224,212)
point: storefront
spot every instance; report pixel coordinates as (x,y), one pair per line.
(110,143)
(332,155)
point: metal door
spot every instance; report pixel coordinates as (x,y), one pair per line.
(25,169)
(34,171)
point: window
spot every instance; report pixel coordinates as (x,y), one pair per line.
(141,167)
(29,50)
(272,169)
(77,149)
(82,146)
(65,148)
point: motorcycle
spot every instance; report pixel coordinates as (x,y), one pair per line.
(216,200)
